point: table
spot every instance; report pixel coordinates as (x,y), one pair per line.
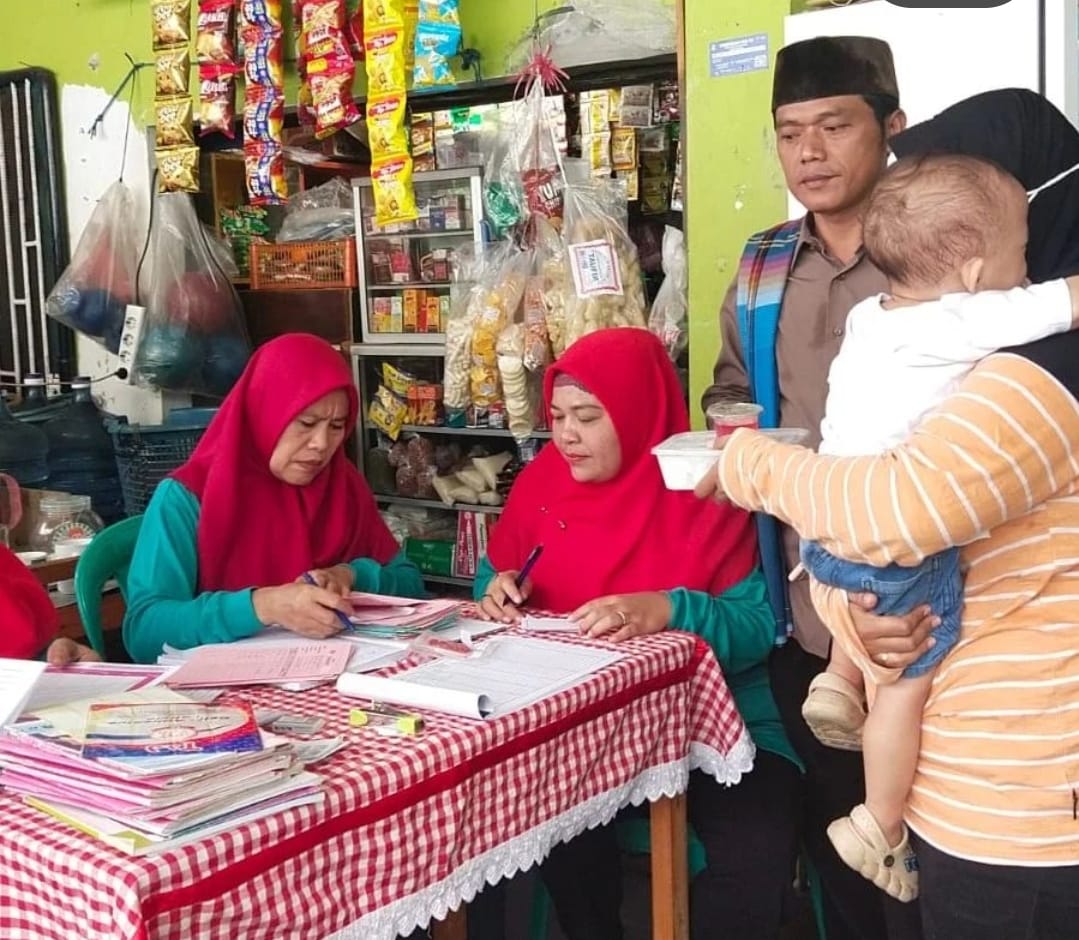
(63,569)
(411,827)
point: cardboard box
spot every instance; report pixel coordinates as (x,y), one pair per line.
(472,534)
(433,320)
(413,302)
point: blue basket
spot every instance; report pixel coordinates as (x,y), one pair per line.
(146,454)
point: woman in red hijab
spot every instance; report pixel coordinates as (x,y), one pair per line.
(624,556)
(267,497)
(28,621)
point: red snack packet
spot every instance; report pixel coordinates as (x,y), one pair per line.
(331,94)
(262,50)
(264,113)
(265,168)
(214,41)
(217,99)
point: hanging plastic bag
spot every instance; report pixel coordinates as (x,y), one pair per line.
(92,294)
(538,158)
(603,286)
(194,339)
(668,317)
(504,203)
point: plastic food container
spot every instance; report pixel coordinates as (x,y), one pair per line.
(726,417)
(685,458)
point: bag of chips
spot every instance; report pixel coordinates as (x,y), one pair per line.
(173,73)
(215,31)
(391,182)
(217,99)
(386,132)
(170,23)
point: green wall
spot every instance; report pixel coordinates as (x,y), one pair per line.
(734,184)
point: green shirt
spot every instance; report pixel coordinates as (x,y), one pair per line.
(164,604)
(739,626)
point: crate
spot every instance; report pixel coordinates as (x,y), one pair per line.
(146,454)
(303,265)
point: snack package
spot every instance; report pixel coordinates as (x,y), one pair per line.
(264,114)
(173,126)
(262,56)
(387,412)
(496,307)
(668,317)
(331,96)
(172,73)
(538,159)
(444,12)
(214,40)
(391,184)
(217,99)
(178,169)
(265,167)
(386,132)
(520,402)
(92,294)
(604,287)
(322,30)
(265,14)
(436,44)
(170,23)
(381,14)
(385,60)
(194,338)
(551,268)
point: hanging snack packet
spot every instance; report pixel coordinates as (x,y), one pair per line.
(386,133)
(385,51)
(262,13)
(217,99)
(322,30)
(383,14)
(440,11)
(173,72)
(264,113)
(171,23)
(214,42)
(173,127)
(332,100)
(435,45)
(391,183)
(178,170)
(265,167)
(262,52)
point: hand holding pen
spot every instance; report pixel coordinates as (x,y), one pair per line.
(508,591)
(304,607)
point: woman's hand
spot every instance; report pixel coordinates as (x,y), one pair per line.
(63,652)
(338,579)
(895,642)
(306,609)
(503,599)
(618,617)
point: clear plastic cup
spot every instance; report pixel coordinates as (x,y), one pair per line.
(727,417)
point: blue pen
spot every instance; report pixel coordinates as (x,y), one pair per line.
(345,622)
(530,561)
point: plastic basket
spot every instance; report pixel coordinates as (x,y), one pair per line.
(146,454)
(304,265)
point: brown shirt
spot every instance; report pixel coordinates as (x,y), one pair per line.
(820,293)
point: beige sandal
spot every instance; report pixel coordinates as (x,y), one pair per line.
(834,710)
(860,842)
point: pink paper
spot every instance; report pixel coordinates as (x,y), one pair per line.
(223,665)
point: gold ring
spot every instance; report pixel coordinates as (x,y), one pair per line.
(622,614)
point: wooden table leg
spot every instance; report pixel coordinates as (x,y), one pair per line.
(670,873)
(454,927)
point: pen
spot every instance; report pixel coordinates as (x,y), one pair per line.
(530,561)
(345,622)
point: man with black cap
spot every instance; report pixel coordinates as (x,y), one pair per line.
(835,102)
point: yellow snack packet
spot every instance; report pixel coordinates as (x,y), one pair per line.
(386,132)
(178,170)
(172,73)
(391,183)
(379,14)
(170,22)
(173,127)
(385,61)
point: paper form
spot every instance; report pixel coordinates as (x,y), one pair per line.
(90,680)
(512,672)
(222,664)
(17,680)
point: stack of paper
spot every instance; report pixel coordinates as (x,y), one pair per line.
(400,617)
(150,770)
(222,664)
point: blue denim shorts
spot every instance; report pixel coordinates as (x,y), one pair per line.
(937,581)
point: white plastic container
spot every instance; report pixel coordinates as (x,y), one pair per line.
(685,458)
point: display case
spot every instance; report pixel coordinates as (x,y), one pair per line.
(405,270)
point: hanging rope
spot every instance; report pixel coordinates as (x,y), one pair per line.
(136,67)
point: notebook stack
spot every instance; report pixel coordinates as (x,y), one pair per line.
(400,618)
(144,776)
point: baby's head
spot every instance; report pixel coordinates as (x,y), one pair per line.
(945,224)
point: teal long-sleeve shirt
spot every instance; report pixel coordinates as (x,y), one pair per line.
(164,604)
(739,626)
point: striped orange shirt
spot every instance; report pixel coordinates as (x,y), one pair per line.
(995,470)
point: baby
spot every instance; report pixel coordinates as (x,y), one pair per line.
(950,235)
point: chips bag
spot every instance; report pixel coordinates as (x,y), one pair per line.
(385,60)
(217,99)
(170,23)
(391,183)
(214,42)
(172,73)
(265,166)
(386,131)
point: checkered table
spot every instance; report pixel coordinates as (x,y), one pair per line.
(410,827)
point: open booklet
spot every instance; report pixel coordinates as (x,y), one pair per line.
(505,674)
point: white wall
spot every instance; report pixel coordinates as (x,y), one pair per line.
(91,165)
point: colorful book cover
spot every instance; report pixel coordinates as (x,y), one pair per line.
(136,732)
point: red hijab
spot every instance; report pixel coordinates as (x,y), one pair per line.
(629,533)
(28,621)
(254,529)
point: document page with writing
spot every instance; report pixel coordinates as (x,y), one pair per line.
(510,673)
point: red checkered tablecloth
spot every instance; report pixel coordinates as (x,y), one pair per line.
(410,827)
